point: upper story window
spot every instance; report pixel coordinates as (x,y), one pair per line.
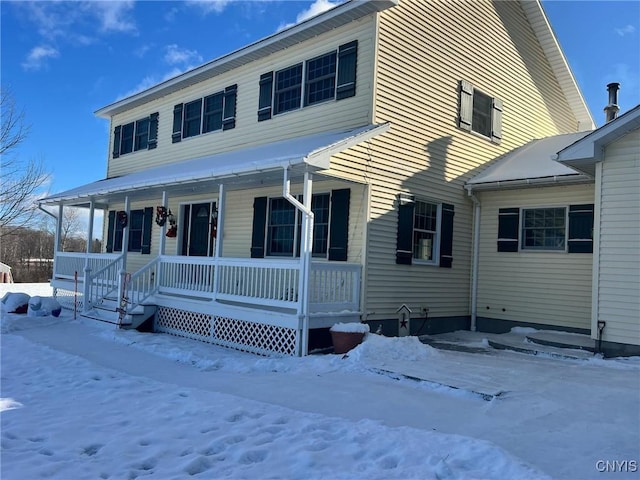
(479,112)
(288,89)
(203,115)
(425,232)
(277,226)
(139,135)
(565,229)
(326,77)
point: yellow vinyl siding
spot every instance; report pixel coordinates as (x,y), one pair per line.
(435,45)
(326,116)
(552,288)
(619,256)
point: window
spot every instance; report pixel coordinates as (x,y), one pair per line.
(142,134)
(139,223)
(321,79)
(281,227)
(425,232)
(277,226)
(567,229)
(543,229)
(213,106)
(480,113)
(213,112)
(288,89)
(139,135)
(326,77)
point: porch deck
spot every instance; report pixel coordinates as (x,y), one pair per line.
(262,306)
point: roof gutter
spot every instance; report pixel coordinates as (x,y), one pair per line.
(529,182)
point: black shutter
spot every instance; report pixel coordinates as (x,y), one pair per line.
(153,131)
(266,96)
(446,236)
(339,227)
(111,226)
(176,136)
(116,141)
(580,239)
(259,224)
(466,105)
(496,121)
(404,242)
(146,231)
(508,225)
(347,64)
(229,112)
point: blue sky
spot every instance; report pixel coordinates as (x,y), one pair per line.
(64,60)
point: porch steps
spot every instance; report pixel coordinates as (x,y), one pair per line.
(107,312)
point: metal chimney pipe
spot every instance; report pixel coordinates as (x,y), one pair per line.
(612,109)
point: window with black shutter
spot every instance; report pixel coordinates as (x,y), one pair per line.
(508,225)
(135,136)
(479,112)
(580,237)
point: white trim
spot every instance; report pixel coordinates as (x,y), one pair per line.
(595,270)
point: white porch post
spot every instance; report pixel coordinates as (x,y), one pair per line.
(220,225)
(220,205)
(125,248)
(305,258)
(86,284)
(90,229)
(163,229)
(56,247)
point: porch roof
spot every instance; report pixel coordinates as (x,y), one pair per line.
(261,163)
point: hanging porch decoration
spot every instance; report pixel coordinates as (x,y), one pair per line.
(161,215)
(173,230)
(123,218)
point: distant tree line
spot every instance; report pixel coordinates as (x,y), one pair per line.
(29,252)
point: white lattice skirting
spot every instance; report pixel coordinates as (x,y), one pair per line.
(66,299)
(242,335)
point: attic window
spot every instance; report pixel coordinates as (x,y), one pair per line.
(479,112)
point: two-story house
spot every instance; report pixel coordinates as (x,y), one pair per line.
(317,175)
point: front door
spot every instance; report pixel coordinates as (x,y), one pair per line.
(197,235)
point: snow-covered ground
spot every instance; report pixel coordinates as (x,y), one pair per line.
(86,402)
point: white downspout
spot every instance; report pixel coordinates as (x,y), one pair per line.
(475,258)
(306,247)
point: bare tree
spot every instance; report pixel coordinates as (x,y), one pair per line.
(70,230)
(19,180)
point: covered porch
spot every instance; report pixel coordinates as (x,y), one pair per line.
(263,305)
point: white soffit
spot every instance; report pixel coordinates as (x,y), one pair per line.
(547,38)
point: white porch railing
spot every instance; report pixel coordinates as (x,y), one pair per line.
(68,263)
(333,286)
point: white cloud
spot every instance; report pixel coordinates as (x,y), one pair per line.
(152,80)
(38,56)
(626,30)
(208,6)
(316,8)
(175,55)
(114,16)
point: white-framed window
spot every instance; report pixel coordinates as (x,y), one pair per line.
(284,227)
(330,76)
(550,228)
(141,134)
(207,114)
(544,228)
(426,221)
(425,232)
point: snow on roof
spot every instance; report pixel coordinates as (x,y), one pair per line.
(531,161)
(314,151)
